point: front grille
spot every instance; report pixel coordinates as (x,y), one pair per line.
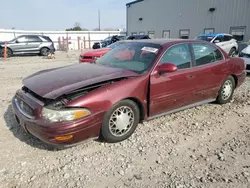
(87,57)
(24,108)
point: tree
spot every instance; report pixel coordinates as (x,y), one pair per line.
(77,27)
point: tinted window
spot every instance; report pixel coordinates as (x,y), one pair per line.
(227,38)
(205,54)
(47,38)
(178,55)
(34,39)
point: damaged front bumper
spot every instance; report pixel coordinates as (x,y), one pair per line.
(28,114)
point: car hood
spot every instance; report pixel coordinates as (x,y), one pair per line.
(246,50)
(96,53)
(53,83)
(247,60)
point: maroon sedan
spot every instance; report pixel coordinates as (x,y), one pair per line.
(66,105)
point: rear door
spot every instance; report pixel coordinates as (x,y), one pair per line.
(172,90)
(210,70)
(34,43)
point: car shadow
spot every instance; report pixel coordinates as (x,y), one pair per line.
(29,139)
(19,132)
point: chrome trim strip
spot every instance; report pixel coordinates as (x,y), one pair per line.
(182,108)
(21,110)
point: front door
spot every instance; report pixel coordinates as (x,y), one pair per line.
(172,90)
(20,44)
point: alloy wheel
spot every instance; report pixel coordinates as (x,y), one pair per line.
(227,90)
(121,121)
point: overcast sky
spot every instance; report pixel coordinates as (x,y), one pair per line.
(62,14)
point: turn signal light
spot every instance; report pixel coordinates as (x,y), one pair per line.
(63,138)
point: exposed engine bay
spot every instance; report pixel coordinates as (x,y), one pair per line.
(61,101)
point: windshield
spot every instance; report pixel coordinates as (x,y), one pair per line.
(114,45)
(135,56)
(122,37)
(107,39)
(206,38)
(13,40)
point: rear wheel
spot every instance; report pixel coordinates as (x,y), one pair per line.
(44,51)
(226,91)
(232,52)
(120,121)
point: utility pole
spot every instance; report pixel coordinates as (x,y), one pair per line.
(99,20)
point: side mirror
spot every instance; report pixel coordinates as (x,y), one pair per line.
(167,67)
(216,41)
(17,41)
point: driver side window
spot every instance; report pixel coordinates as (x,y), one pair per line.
(22,39)
(178,55)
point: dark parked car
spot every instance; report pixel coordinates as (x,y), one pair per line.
(107,41)
(28,44)
(136,81)
(113,39)
(137,37)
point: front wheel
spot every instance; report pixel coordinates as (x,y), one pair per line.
(226,91)
(120,121)
(232,52)
(8,52)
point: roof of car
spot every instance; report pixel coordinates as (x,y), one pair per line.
(213,34)
(32,35)
(160,41)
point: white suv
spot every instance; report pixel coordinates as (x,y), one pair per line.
(224,41)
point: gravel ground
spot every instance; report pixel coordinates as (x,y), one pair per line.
(207,146)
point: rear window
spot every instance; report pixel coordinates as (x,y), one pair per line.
(47,38)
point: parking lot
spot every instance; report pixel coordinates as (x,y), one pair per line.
(207,146)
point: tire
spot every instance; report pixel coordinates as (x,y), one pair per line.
(232,52)
(226,91)
(44,51)
(113,129)
(9,52)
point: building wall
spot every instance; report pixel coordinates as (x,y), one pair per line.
(87,37)
(173,15)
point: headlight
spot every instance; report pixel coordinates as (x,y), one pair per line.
(64,114)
